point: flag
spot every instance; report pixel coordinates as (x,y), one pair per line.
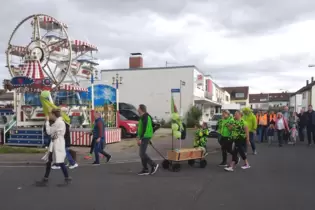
(173,106)
(48,106)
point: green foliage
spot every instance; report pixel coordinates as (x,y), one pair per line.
(193,117)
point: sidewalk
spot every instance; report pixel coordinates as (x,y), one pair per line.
(124,151)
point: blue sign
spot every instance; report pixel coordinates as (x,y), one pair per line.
(21,81)
(103,95)
(175,90)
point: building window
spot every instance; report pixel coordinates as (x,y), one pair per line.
(241,103)
(239,95)
(227,98)
(304,95)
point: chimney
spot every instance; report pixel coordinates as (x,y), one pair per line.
(306,82)
(312,79)
(135,61)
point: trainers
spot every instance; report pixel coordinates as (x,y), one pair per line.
(245,166)
(68,180)
(230,169)
(223,164)
(154,169)
(143,172)
(73,166)
(255,152)
(55,167)
(108,159)
(96,164)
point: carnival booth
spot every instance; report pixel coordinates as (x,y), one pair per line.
(50,65)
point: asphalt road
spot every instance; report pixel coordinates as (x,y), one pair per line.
(280,179)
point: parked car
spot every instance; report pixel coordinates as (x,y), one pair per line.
(128,127)
(212,124)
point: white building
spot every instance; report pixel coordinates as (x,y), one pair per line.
(152,87)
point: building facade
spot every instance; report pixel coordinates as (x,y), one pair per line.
(267,101)
(238,95)
(304,97)
(152,87)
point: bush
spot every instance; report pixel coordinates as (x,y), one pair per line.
(193,117)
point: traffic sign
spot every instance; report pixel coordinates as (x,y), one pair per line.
(175,90)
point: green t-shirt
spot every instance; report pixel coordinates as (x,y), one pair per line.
(238,130)
(224,130)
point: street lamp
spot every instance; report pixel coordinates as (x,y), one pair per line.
(117,81)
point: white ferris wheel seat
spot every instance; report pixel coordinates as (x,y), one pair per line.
(81,46)
(49,23)
(18,50)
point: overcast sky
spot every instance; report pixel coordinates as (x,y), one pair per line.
(266,45)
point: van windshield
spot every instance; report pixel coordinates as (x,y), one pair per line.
(216,117)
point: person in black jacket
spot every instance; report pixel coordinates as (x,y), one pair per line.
(302,123)
(310,126)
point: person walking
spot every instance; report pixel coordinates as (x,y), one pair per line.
(240,136)
(251,123)
(57,146)
(302,122)
(287,117)
(263,125)
(310,126)
(144,134)
(271,132)
(225,139)
(99,139)
(282,128)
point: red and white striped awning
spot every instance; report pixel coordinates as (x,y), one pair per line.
(18,50)
(33,69)
(49,23)
(68,87)
(78,45)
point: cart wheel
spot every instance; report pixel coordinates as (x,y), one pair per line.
(191,162)
(176,167)
(203,163)
(166,164)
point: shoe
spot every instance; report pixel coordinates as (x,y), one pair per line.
(230,169)
(154,169)
(144,172)
(73,166)
(238,161)
(223,164)
(55,167)
(245,166)
(96,164)
(255,152)
(68,180)
(108,159)
(42,183)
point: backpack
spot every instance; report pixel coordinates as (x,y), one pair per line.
(184,132)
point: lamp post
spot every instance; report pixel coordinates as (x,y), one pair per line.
(181,83)
(93,74)
(117,81)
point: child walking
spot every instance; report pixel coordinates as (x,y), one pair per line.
(271,132)
(293,135)
(201,136)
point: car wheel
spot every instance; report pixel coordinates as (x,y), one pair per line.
(123,132)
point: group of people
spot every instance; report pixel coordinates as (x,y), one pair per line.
(59,142)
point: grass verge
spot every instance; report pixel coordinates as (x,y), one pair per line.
(17,150)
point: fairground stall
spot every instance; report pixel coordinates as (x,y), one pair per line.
(53,63)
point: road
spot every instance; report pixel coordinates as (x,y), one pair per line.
(280,179)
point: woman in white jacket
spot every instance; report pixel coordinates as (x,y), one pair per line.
(57,146)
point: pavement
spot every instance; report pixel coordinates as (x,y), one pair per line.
(279,179)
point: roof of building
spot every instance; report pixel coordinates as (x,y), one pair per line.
(305,88)
(158,68)
(273,97)
(233,90)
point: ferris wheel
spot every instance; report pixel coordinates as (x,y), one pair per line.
(49,57)
(45,57)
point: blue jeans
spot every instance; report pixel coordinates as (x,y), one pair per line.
(69,157)
(252,142)
(99,149)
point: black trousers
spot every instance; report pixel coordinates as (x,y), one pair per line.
(301,132)
(310,129)
(145,159)
(226,147)
(239,148)
(48,167)
(280,134)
